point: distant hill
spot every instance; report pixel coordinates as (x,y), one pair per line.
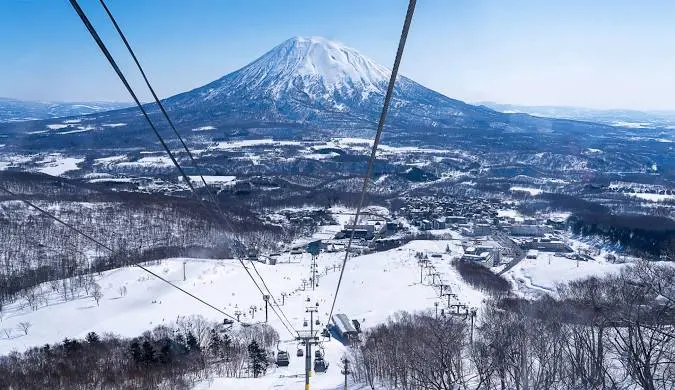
(615,117)
(13,110)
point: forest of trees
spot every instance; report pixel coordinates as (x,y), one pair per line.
(165,358)
(600,333)
(642,235)
(138,227)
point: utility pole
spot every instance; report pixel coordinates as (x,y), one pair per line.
(266,298)
(345,371)
(283,298)
(436,306)
(184,278)
(423,264)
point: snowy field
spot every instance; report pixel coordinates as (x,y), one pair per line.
(530,190)
(56,164)
(533,277)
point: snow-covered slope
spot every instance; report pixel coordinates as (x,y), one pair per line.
(374,287)
(315,65)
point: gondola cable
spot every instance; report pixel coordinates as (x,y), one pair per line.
(113,63)
(106,247)
(378,136)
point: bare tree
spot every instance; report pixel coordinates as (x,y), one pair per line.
(24,326)
(96,293)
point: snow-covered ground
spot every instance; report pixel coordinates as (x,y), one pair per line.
(56,165)
(197,180)
(653,197)
(533,277)
(374,287)
(530,190)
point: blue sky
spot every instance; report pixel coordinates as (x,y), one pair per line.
(599,53)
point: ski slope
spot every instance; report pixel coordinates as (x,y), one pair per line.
(374,287)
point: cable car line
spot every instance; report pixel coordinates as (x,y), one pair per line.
(104,246)
(157,100)
(272,296)
(376,142)
(113,63)
(173,127)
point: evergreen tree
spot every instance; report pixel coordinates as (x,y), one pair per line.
(192,344)
(70,346)
(165,351)
(215,344)
(93,339)
(257,359)
(135,350)
(227,342)
(148,353)
(181,347)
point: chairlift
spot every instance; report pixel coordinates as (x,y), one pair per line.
(300,352)
(317,322)
(304,323)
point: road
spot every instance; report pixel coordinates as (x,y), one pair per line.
(518,256)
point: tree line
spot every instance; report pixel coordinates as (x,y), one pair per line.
(174,357)
(608,333)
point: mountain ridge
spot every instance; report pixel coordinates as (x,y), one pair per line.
(12,110)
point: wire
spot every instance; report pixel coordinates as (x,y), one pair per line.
(272,296)
(102,245)
(262,293)
(112,62)
(187,150)
(157,100)
(376,142)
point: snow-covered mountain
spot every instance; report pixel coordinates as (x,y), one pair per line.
(315,79)
(12,110)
